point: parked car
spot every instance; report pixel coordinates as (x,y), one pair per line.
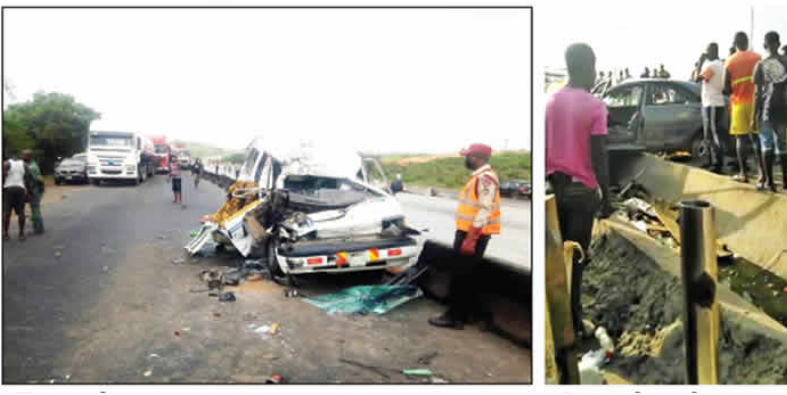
(526,190)
(71,170)
(320,208)
(657,115)
(511,188)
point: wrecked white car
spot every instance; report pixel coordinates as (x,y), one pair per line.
(311,208)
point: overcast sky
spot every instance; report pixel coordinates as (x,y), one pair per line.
(673,34)
(382,80)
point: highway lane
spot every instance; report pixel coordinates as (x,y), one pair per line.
(437,214)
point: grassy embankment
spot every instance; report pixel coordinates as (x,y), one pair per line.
(450,173)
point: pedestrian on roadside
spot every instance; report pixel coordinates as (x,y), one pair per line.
(770,109)
(477,219)
(646,73)
(739,80)
(710,72)
(577,162)
(628,75)
(36,191)
(663,73)
(16,183)
(196,171)
(175,179)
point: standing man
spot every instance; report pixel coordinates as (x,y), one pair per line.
(663,73)
(770,109)
(36,191)
(174,177)
(576,161)
(196,171)
(477,219)
(710,72)
(645,74)
(740,81)
(16,180)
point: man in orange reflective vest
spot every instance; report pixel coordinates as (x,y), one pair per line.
(477,219)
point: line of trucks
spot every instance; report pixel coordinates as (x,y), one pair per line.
(130,156)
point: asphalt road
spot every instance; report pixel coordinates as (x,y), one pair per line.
(97,299)
(437,215)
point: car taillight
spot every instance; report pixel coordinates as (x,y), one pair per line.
(396,252)
(314,261)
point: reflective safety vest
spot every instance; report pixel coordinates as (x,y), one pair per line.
(469,206)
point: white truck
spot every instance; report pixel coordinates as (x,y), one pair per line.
(121,156)
(324,209)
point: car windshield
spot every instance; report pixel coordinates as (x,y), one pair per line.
(111,141)
(324,191)
(81,158)
(160,149)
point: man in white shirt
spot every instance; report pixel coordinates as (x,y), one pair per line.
(16,182)
(711,73)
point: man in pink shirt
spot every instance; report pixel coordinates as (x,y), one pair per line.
(576,160)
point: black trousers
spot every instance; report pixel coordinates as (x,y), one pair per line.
(576,208)
(711,126)
(462,298)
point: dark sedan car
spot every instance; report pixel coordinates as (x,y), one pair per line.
(513,188)
(71,170)
(657,115)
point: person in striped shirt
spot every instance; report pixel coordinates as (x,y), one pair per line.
(174,177)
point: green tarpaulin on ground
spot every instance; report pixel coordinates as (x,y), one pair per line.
(378,299)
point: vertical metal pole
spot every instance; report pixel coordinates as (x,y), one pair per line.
(699,276)
(558,299)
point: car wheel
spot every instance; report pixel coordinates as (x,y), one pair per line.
(698,147)
(273,263)
(57,181)
(95,182)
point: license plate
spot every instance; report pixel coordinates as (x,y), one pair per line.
(357,259)
(68,177)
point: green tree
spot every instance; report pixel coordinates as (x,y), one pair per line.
(53,124)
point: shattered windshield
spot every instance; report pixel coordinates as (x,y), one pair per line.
(337,192)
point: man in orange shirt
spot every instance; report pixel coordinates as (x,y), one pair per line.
(740,81)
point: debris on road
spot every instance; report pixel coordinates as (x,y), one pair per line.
(417,372)
(378,299)
(217,314)
(274,327)
(275,379)
(376,369)
(178,261)
(427,359)
(227,297)
(177,333)
(148,372)
(58,254)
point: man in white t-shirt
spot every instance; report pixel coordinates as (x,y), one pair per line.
(711,73)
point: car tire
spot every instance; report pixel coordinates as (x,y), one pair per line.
(698,148)
(96,182)
(57,181)
(270,255)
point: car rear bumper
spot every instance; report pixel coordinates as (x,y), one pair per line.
(349,256)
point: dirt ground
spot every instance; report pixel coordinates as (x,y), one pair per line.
(168,334)
(640,305)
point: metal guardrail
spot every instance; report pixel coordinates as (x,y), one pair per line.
(558,301)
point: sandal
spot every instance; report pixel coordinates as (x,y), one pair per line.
(740,178)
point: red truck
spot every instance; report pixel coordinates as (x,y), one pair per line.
(162,150)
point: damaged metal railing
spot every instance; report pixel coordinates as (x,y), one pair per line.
(701,310)
(558,300)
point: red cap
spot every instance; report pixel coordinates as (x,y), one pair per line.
(478,149)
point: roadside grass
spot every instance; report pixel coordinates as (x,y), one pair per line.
(450,173)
